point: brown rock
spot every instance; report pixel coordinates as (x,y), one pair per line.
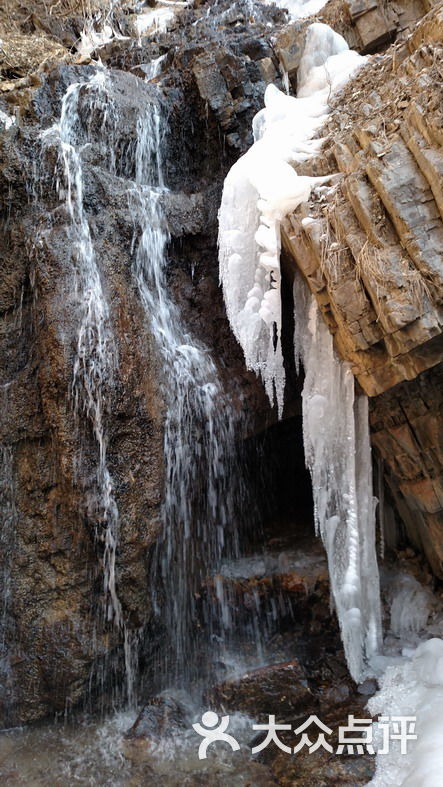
(279,689)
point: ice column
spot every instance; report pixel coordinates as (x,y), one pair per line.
(338,455)
(260,190)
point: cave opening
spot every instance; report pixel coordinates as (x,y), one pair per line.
(285,493)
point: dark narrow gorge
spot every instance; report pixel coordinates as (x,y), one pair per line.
(221,387)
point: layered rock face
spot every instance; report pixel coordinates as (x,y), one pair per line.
(372,256)
(371,251)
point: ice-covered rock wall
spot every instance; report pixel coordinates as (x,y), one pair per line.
(260,190)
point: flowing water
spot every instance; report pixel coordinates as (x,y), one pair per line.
(206,502)
(89,113)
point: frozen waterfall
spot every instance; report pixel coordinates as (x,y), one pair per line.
(259,191)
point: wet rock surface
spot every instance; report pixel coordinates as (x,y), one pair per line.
(278,689)
(161,719)
(316,683)
(55,558)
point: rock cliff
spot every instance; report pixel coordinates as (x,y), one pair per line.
(371,253)
(371,250)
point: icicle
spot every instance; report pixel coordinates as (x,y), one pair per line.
(337,452)
(260,190)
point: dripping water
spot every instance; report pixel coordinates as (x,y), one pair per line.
(206,499)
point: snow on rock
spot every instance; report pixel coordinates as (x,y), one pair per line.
(91,39)
(413,687)
(262,188)
(7,120)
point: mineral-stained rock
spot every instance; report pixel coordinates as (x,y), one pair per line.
(278,689)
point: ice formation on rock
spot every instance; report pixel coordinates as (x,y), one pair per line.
(411,605)
(262,188)
(413,687)
(337,453)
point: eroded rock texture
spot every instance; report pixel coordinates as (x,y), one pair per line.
(55,571)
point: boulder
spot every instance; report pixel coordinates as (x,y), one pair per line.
(279,689)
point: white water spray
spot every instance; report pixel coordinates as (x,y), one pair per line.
(200,424)
(89,112)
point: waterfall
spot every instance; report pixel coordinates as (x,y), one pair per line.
(201,475)
(259,191)
(88,113)
(202,479)
(95,358)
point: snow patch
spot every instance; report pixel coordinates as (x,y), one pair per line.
(414,688)
(6,120)
(299,9)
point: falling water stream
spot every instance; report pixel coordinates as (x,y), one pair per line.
(95,363)
(206,502)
